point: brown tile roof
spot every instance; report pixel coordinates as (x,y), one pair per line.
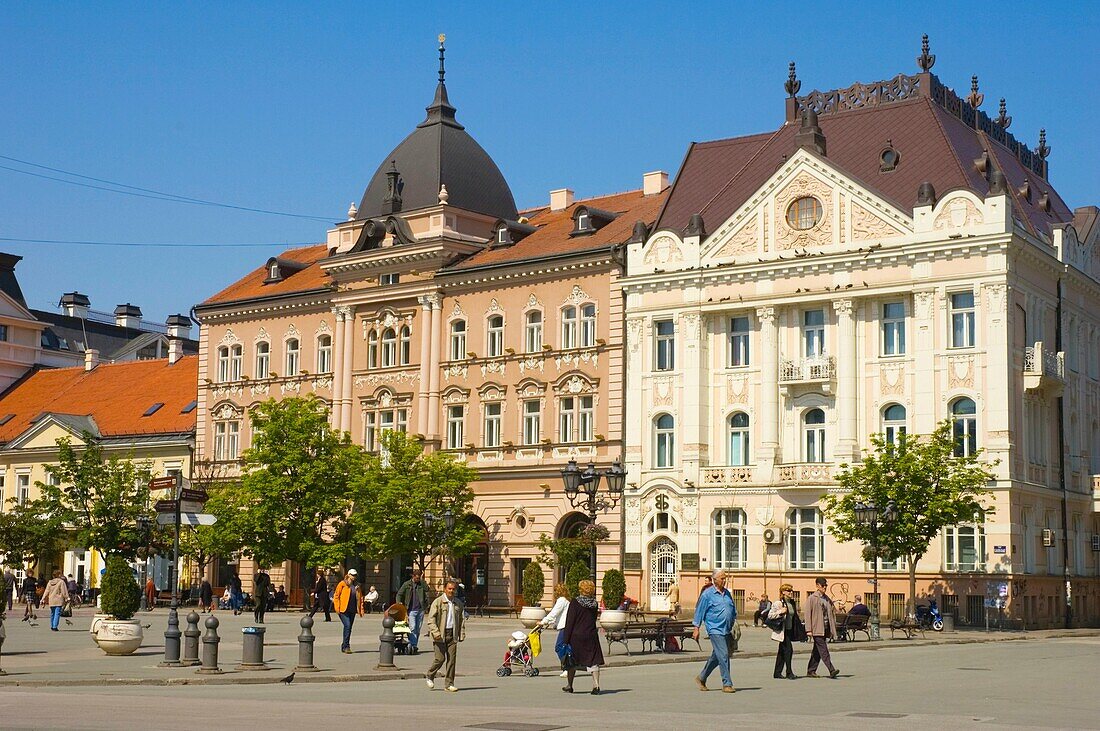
(554,228)
(935,146)
(115,395)
(252,285)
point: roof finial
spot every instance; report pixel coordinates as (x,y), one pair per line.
(1043,150)
(444,196)
(352,211)
(440,109)
(975,99)
(1002,117)
(442,70)
(925,60)
(792,84)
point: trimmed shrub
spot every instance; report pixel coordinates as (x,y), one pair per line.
(577,573)
(614,588)
(121,596)
(534,584)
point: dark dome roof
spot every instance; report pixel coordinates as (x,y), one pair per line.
(441,152)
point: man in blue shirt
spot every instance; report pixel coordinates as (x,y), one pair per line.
(716,612)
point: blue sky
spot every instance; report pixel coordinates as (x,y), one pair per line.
(290,107)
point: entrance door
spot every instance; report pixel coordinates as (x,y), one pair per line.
(663,557)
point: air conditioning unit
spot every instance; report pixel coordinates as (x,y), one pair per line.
(773,535)
(1096,543)
(1048,537)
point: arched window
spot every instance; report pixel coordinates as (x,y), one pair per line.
(532,339)
(324,354)
(236,362)
(805,539)
(965,421)
(663,521)
(588,326)
(389,347)
(813,436)
(494,336)
(893,422)
(372,349)
(223,364)
(964,548)
(731,541)
(739,439)
(665,440)
(568,327)
(458,340)
(293,357)
(263,359)
(406,345)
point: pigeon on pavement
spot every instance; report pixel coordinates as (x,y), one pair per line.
(288,679)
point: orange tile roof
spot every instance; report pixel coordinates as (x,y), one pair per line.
(252,285)
(555,226)
(114,395)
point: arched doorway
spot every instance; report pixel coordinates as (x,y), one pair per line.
(473,568)
(572,525)
(664,557)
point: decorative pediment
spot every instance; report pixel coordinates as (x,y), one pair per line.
(530,388)
(457,311)
(533,303)
(866,226)
(494,307)
(664,250)
(958,212)
(456,395)
(492,392)
(227,411)
(576,296)
(745,240)
(292,332)
(804,185)
(261,335)
(576,382)
(323,329)
(230,338)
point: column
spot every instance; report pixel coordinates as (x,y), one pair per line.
(694,414)
(425,325)
(767,451)
(926,411)
(847,372)
(349,349)
(433,366)
(337,367)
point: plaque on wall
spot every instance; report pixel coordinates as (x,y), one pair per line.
(632,562)
(689,561)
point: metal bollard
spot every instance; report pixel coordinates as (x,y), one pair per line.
(252,651)
(305,646)
(172,639)
(210,648)
(385,649)
(191,640)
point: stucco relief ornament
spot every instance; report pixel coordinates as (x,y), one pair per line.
(493,366)
(291,387)
(375,379)
(634,328)
(633,515)
(576,358)
(690,509)
(923,304)
(892,380)
(576,296)
(458,371)
(736,391)
(230,338)
(867,226)
(662,392)
(494,306)
(322,383)
(664,250)
(533,303)
(531,363)
(261,335)
(456,396)
(691,322)
(995,297)
(323,329)
(227,411)
(259,389)
(960,372)
(744,241)
(457,311)
(291,332)
(804,185)
(958,213)
(576,384)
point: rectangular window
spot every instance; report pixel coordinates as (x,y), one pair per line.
(568,328)
(458,340)
(227,435)
(587,420)
(567,419)
(738,355)
(962,320)
(495,337)
(455,426)
(666,345)
(370,437)
(3,496)
(532,416)
(223,365)
(236,362)
(492,425)
(22,488)
(533,334)
(588,326)
(389,279)
(893,328)
(813,333)
(3,333)
(263,360)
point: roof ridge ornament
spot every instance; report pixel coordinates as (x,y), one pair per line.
(974,99)
(440,110)
(442,49)
(925,60)
(1043,150)
(792,84)
(1003,119)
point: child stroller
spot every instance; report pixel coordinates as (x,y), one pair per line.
(523,648)
(401,629)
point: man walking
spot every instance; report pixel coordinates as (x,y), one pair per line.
(348,601)
(820,625)
(717,612)
(236,594)
(414,595)
(320,595)
(446,629)
(261,586)
(9,588)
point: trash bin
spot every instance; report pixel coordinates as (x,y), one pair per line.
(949,622)
(252,652)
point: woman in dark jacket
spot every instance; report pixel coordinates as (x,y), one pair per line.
(581,635)
(786,628)
(206,596)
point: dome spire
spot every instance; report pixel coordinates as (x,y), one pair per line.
(440,111)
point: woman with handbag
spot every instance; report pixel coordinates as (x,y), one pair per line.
(582,638)
(556,620)
(786,628)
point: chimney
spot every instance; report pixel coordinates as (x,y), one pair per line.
(809,134)
(561,199)
(128,315)
(75,304)
(654,182)
(91,359)
(179,326)
(175,349)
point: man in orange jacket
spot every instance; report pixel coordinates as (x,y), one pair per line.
(348,601)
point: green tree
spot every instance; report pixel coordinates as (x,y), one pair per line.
(296,493)
(931,486)
(29,534)
(202,544)
(400,485)
(100,499)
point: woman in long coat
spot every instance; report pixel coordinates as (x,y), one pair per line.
(582,637)
(791,630)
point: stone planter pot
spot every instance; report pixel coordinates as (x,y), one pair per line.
(530,617)
(613,619)
(119,637)
(94,628)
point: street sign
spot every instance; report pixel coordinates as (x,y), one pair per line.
(188,519)
(186,506)
(165,506)
(163,483)
(198,496)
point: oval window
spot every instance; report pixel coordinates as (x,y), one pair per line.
(804,213)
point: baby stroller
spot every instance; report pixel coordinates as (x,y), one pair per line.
(401,629)
(523,648)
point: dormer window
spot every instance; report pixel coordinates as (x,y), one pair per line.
(582,221)
(502,236)
(508,233)
(588,220)
(279,269)
(273,273)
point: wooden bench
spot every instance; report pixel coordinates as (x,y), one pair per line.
(653,634)
(908,626)
(852,623)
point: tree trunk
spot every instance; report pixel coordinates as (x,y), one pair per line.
(911,606)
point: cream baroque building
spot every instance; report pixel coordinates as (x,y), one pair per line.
(888,258)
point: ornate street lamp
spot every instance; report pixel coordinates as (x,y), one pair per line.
(872,516)
(582,489)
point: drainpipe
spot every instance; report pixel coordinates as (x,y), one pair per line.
(1067,592)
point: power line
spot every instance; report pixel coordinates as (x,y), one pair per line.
(159,244)
(136,191)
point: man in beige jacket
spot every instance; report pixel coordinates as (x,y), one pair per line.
(55,596)
(446,629)
(820,625)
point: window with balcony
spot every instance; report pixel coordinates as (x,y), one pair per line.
(893,422)
(813,333)
(588,326)
(893,328)
(494,336)
(458,340)
(227,440)
(263,359)
(739,439)
(293,357)
(532,336)
(532,421)
(664,429)
(964,419)
(491,430)
(805,539)
(372,349)
(576,419)
(737,354)
(964,547)
(813,436)
(456,426)
(665,357)
(405,345)
(962,320)
(568,327)
(324,354)
(731,540)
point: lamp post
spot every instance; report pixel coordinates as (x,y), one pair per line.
(874,517)
(446,521)
(144,524)
(582,489)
